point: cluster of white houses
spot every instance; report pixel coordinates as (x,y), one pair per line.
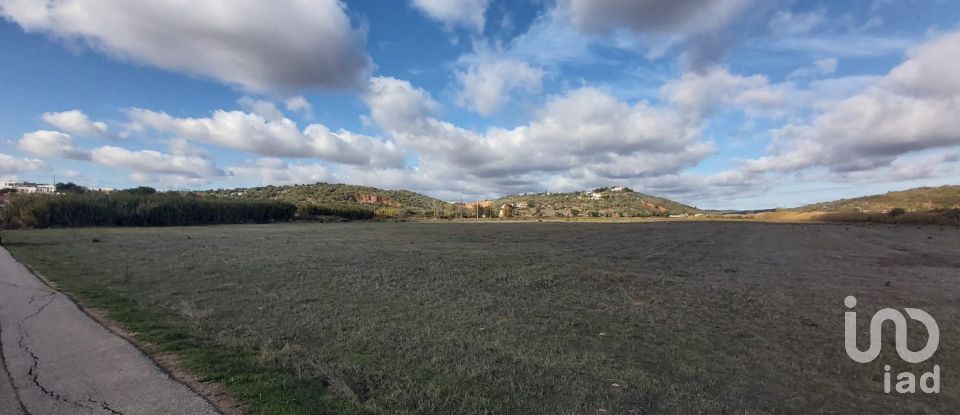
(27,187)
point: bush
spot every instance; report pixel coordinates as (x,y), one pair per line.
(897,212)
(128,209)
(346,211)
(69,188)
(943,217)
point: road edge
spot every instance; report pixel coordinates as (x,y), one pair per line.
(173,369)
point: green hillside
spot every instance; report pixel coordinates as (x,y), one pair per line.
(603,202)
(918,199)
(387,202)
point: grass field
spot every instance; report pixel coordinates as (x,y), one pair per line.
(532,318)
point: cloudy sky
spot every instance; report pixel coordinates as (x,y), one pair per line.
(720,104)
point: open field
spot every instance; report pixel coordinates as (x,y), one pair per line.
(543,318)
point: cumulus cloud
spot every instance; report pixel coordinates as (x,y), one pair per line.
(76,122)
(299,104)
(274,137)
(906,168)
(47,143)
(147,162)
(486,85)
(932,70)
(261,46)
(276,171)
(584,131)
(265,109)
(700,94)
(14,165)
(466,13)
(911,109)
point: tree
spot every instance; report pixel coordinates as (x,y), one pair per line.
(140,191)
(70,188)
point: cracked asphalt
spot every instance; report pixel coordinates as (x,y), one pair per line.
(58,360)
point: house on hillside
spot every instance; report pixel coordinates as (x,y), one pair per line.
(506,210)
(27,187)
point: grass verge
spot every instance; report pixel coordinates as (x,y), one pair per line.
(258,389)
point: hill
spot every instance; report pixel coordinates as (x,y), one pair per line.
(386,202)
(602,202)
(918,199)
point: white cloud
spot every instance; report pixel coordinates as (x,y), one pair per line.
(466,13)
(487,84)
(700,94)
(299,104)
(13,165)
(933,69)
(584,132)
(147,162)
(396,105)
(76,122)
(183,147)
(278,172)
(52,144)
(265,109)
(272,137)
(261,46)
(913,108)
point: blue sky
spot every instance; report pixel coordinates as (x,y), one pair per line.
(721,104)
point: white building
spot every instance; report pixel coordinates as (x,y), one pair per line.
(26,187)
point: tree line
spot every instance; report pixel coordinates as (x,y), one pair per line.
(136,208)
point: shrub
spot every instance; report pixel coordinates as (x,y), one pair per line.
(69,188)
(897,212)
(342,210)
(943,217)
(129,209)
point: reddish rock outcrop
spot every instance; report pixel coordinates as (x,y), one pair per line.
(374,199)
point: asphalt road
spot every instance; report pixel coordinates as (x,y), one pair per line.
(58,360)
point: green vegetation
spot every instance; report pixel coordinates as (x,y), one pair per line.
(69,188)
(135,209)
(341,210)
(386,202)
(918,199)
(601,202)
(532,318)
(942,217)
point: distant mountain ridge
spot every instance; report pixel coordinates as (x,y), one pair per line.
(916,199)
(601,202)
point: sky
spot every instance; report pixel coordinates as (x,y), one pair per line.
(729,104)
